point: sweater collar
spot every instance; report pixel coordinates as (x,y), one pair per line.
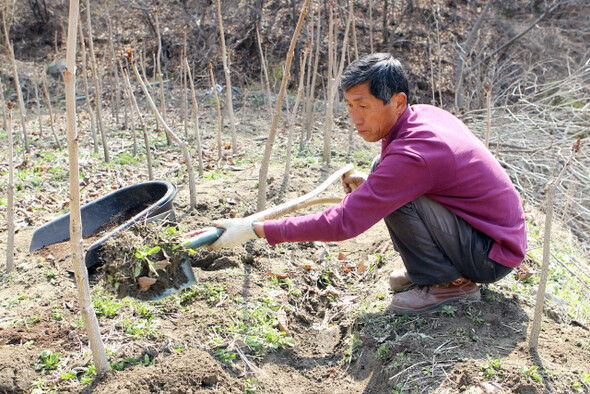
(393,134)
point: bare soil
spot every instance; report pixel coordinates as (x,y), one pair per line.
(293,318)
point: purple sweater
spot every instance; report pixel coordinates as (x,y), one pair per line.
(428,152)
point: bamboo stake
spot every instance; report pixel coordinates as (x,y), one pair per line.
(10,207)
(183,146)
(195,116)
(146,140)
(219,122)
(97,89)
(265,71)
(228,89)
(275,120)
(19,93)
(80,271)
(294,115)
(552,187)
(49,107)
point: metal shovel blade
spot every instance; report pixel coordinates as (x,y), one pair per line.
(207,237)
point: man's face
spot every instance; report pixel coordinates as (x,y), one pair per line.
(373,119)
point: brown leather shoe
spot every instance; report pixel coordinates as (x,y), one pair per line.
(399,280)
(423,299)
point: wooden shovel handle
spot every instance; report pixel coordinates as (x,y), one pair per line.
(303,201)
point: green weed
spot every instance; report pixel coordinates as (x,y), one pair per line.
(531,373)
(48,360)
(448,310)
(492,369)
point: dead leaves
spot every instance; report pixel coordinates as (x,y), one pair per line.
(145,282)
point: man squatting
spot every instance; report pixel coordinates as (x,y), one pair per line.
(451,210)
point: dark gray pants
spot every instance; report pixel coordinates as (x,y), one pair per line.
(437,246)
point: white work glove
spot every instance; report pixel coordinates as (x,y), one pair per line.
(237,232)
(353,180)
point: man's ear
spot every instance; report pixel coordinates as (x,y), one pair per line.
(399,100)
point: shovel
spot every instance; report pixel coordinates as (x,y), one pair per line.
(209,235)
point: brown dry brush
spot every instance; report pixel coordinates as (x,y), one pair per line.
(261,203)
(542,117)
(80,270)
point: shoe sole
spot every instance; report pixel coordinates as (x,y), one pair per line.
(398,310)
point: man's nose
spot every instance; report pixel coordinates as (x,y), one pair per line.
(357,120)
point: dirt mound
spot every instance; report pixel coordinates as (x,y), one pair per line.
(186,372)
(17,368)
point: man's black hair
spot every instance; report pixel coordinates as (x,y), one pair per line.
(385,74)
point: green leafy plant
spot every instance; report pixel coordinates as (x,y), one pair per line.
(492,369)
(531,373)
(448,310)
(48,360)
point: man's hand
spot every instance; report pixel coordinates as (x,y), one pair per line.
(353,180)
(237,232)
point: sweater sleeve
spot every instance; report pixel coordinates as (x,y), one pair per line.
(399,179)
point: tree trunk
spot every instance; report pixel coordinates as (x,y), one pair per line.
(80,271)
(275,120)
(265,71)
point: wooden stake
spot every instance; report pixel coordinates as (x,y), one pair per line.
(80,272)
(265,71)
(97,89)
(552,187)
(183,146)
(10,207)
(219,122)
(146,140)
(19,93)
(49,107)
(294,115)
(228,88)
(275,120)
(195,116)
